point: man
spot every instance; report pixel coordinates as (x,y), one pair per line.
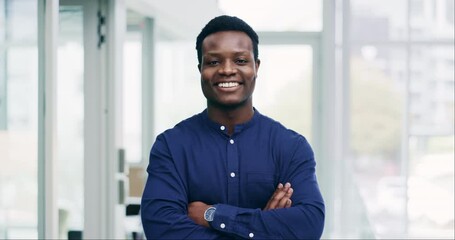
(230,172)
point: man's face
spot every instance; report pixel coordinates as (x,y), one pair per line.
(228,69)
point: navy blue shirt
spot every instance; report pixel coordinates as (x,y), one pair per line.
(198,161)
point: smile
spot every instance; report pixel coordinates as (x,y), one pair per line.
(228,84)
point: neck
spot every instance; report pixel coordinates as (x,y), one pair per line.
(230,117)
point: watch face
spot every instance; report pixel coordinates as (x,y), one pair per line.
(209,213)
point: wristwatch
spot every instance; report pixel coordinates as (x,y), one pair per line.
(209,214)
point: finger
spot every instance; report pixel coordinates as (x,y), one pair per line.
(287,185)
(284,200)
(288,203)
(288,196)
(275,198)
(277,190)
(289,193)
(277,195)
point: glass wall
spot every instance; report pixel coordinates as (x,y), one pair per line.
(377,109)
(18,119)
(178,92)
(280,93)
(402,115)
(431,141)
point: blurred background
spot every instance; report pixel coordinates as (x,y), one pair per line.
(86,85)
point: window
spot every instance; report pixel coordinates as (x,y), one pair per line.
(402,133)
(18,119)
(280,93)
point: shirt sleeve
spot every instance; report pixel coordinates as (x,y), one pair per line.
(164,202)
(303,220)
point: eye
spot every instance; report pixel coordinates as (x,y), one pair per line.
(212,62)
(241,61)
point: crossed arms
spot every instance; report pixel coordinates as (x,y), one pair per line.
(166,212)
(281,198)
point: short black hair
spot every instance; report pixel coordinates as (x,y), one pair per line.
(226,23)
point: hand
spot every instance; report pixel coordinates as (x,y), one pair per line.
(196,212)
(281,198)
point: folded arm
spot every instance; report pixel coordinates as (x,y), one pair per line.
(304,219)
(166,212)
(279,220)
(164,201)
(281,198)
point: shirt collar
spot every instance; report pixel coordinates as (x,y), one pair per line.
(220,128)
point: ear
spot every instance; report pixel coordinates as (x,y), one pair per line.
(257,63)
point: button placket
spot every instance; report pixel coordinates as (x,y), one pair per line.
(232,172)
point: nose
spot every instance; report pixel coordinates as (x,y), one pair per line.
(227,68)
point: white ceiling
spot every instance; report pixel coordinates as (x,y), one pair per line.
(177,18)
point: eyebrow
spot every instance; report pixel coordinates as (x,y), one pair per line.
(236,53)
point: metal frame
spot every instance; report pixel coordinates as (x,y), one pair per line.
(103,73)
(95,172)
(113,58)
(148,80)
(47,95)
(3,72)
(327,137)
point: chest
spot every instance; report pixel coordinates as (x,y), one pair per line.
(239,171)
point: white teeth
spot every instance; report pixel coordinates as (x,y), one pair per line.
(228,84)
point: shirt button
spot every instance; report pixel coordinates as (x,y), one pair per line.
(251,235)
(222,128)
(232,174)
(222,225)
(231,141)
